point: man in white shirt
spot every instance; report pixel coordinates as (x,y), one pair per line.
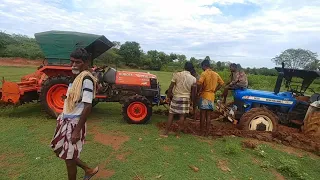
(70,132)
(180,91)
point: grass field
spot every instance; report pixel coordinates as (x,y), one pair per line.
(126,151)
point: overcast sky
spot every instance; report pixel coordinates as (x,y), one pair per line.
(249,32)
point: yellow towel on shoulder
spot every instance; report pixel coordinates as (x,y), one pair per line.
(76,89)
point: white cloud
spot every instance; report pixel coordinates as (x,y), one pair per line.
(192,27)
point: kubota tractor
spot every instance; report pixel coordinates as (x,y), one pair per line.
(136,91)
(263,110)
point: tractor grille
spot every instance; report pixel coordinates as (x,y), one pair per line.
(153,83)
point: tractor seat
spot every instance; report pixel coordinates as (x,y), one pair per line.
(110,76)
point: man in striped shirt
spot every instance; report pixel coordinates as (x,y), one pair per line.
(70,132)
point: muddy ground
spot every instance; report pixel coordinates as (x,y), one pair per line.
(285,135)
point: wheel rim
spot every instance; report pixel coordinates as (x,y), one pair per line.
(137,111)
(261,123)
(54,97)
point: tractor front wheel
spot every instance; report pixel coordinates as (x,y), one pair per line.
(52,92)
(137,110)
(258,119)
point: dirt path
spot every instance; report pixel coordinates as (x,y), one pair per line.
(115,140)
(285,135)
(19,62)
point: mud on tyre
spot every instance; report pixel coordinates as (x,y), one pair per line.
(312,125)
(137,110)
(259,119)
(51,95)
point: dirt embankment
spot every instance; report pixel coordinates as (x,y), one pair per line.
(20,62)
(285,135)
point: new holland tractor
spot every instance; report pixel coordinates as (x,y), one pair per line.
(263,111)
(136,91)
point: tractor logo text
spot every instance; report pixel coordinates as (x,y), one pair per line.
(267,100)
(125,74)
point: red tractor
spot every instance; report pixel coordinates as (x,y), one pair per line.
(136,91)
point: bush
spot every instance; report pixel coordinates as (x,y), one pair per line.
(290,167)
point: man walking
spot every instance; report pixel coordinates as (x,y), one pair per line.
(208,84)
(70,132)
(238,80)
(180,91)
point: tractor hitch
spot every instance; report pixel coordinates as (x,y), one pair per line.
(227,112)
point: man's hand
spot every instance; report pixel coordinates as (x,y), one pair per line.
(75,136)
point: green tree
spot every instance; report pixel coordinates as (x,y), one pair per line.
(131,52)
(173,56)
(315,65)
(194,61)
(220,66)
(164,58)
(154,55)
(295,58)
(16,45)
(182,58)
(110,57)
(4,40)
(146,61)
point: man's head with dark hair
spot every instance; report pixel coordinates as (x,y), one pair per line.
(205,64)
(188,66)
(233,67)
(80,53)
(79,60)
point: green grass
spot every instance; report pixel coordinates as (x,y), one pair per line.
(26,132)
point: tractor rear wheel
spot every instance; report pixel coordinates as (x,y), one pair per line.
(258,119)
(312,124)
(52,92)
(137,110)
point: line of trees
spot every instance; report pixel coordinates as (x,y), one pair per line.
(130,54)
(16,45)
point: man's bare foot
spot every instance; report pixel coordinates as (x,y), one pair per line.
(90,173)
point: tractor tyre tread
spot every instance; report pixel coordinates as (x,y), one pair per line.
(45,88)
(312,125)
(246,117)
(136,98)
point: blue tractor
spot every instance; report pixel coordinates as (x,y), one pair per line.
(264,110)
